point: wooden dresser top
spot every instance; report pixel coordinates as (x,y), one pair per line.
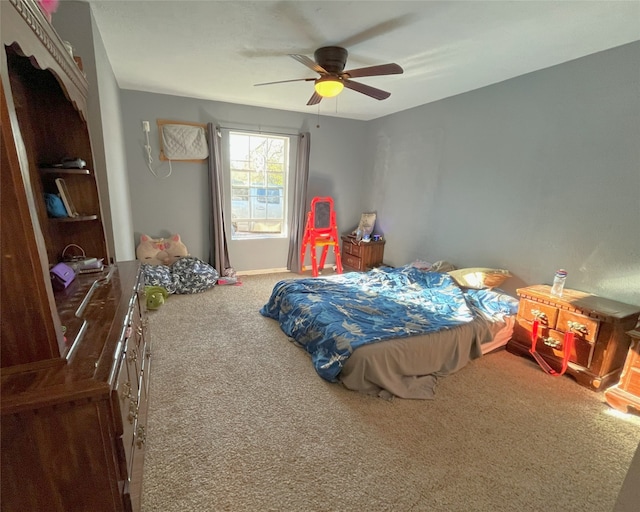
(85,373)
(585,302)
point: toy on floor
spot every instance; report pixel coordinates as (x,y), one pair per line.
(166,263)
(156,295)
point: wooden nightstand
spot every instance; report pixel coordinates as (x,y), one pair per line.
(625,395)
(601,341)
(358,255)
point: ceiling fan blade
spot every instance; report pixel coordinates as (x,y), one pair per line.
(315,99)
(381,69)
(378,94)
(285,81)
(303,59)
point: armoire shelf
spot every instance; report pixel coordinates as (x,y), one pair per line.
(62,170)
(81,218)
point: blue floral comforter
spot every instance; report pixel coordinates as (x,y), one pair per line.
(332,316)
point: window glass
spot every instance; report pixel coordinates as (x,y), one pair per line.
(259,165)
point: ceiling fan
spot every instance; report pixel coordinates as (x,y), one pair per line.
(329,64)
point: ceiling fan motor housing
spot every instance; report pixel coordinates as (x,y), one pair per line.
(331,58)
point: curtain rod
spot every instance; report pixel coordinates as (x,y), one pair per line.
(297,134)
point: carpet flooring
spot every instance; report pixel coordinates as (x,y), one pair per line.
(239,421)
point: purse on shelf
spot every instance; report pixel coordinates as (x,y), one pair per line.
(55,206)
(61,276)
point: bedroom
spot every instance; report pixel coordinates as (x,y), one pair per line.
(529,174)
(552,152)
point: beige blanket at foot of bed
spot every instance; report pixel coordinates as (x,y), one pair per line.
(410,367)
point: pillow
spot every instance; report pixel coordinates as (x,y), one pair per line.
(193,275)
(480,277)
(421,265)
(159,275)
(161,251)
(442,266)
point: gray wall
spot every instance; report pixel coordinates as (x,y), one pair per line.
(180,203)
(74,22)
(532,174)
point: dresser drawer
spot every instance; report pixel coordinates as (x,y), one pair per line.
(633,381)
(127,395)
(530,310)
(552,343)
(352,261)
(350,248)
(581,325)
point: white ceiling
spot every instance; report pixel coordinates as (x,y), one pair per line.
(218,50)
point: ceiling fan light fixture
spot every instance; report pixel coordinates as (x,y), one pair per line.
(328,86)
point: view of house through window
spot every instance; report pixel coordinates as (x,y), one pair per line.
(259,166)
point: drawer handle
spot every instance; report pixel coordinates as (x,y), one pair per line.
(551,342)
(540,315)
(141,436)
(133,411)
(578,327)
(125,391)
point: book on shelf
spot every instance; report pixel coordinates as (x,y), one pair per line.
(66,198)
(83,265)
(91,270)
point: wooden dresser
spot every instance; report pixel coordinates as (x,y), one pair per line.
(73,428)
(358,255)
(74,363)
(625,395)
(599,325)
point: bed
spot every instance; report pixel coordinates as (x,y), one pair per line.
(391,331)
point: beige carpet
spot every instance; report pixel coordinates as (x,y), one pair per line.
(239,421)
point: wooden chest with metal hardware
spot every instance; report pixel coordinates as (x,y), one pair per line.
(359,255)
(599,326)
(625,395)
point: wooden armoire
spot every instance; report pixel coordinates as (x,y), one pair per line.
(74,361)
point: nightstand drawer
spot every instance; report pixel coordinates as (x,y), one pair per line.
(552,344)
(530,310)
(633,381)
(581,325)
(352,261)
(354,249)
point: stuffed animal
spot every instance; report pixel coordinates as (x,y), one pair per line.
(48,7)
(175,249)
(161,251)
(156,295)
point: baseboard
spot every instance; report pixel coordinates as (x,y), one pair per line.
(262,271)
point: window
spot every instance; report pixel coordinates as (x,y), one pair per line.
(259,167)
